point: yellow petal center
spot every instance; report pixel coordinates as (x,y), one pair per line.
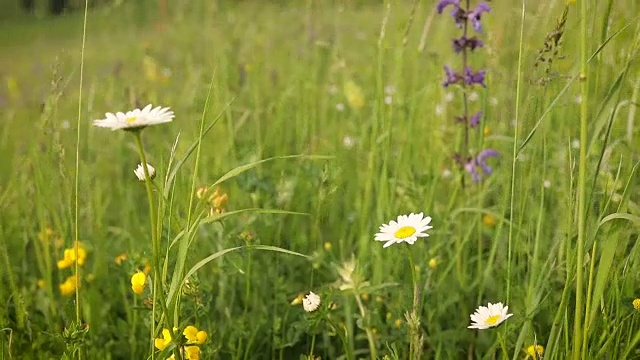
(131,120)
(492,320)
(404,232)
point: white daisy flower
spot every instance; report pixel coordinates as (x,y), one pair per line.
(136,119)
(139,171)
(348,142)
(311,302)
(407,229)
(489,316)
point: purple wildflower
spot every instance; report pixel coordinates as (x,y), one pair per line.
(471,77)
(464,42)
(452,76)
(458,14)
(475,119)
(474,15)
(471,166)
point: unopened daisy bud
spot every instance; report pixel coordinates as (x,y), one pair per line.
(139,171)
(433,263)
(311,302)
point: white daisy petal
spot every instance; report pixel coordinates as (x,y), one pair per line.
(407,228)
(136,118)
(489,316)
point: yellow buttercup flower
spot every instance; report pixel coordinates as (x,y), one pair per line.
(327,246)
(138,282)
(636,304)
(68,287)
(69,257)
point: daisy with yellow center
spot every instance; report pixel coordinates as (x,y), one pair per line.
(136,119)
(408,228)
(489,316)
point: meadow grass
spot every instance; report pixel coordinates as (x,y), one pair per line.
(311,124)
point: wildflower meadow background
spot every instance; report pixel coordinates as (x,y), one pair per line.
(450,179)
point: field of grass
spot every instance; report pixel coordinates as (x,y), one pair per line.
(345,103)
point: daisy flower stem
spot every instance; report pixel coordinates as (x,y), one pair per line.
(414,339)
(154,238)
(503,344)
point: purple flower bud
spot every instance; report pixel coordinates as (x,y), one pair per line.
(475,119)
(471,77)
(452,76)
(463,42)
(474,15)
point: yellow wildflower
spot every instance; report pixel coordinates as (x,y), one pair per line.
(433,263)
(636,304)
(354,95)
(485,131)
(327,246)
(535,350)
(194,336)
(398,323)
(69,257)
(138,282)
(364,297)
(489,220)
(68,287)
(45,235)
(192,353)
(41,283)
(120,258)
(161,343)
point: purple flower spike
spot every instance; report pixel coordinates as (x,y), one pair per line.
(481,159)
(444,3)
(471,77)
(452,76)
(470,167)
(475,119)
(474,15)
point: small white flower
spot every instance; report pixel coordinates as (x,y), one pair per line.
(388,99)
(448,97)
(473,96)
(446,173)
(575,144)
(136,118)
(493,101)
(407,229)
(348,142)
(311,302)
(389,89)
(546,184)
(139,171)
(578,99)
(489,316)
(340,107)
(439,109)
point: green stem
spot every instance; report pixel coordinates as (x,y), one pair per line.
(370,339)
(582,181)
(154,237)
